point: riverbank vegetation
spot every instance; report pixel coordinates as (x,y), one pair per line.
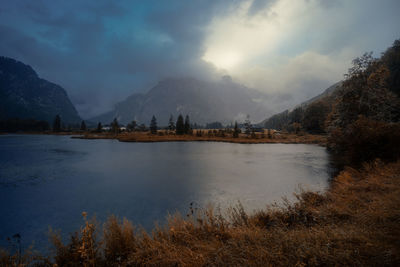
(210,136)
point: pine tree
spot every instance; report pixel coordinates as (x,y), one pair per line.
(187,127)
(83,126)
(57,124)
(99,127)
(171,124)
(247,125)
(115,126)
(236,131)
(132,126)
(142,127)
(153,125)
(180,127)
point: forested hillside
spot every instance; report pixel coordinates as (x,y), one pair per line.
(370,89)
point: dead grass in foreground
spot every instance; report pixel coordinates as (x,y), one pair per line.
(355,223)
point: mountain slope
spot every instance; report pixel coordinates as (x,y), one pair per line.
(327,93)
(24,95)
(223,101)
(309,114)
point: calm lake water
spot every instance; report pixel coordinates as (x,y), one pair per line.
(50,180)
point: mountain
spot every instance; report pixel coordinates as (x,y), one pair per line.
(309,115)
(328,93)
(224,101)
(24,95)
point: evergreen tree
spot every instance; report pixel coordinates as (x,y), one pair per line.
(180,127)
(142,127)
(115,126)
(187,127)
(236,131)
(153,125)
(83,126)
(171,124)
(247,125)
(57,124)
(253,133)
(132,126)
(99,127)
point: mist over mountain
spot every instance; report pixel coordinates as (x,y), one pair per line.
(24,95)
(224,101)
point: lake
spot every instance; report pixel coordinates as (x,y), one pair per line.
(50,180)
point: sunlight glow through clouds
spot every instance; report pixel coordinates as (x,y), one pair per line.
(239,38)
(272,49)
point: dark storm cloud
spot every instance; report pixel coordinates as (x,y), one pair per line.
(105,50)
(102,51)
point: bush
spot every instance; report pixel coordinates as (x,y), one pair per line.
(365,140)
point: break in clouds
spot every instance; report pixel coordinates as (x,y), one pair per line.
(102,51)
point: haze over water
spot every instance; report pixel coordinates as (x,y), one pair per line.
(50,180)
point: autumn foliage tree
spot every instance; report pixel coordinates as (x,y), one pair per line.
(364,122)
(314,118)
(365,92)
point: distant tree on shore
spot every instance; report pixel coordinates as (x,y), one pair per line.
(57,124)
(153,125)
(171,124)
(199,133)
(247,125)
(214,125)
(83,126)
(180,126)
(142,127)
(187,128)
(132,126)
(314,117)
(115,126)
(236,130)
(99,127)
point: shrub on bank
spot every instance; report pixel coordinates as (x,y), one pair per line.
(365,140)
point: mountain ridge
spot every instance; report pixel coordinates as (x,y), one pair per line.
(204,102)
(24,95)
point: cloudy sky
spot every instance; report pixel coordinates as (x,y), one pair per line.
(102,51)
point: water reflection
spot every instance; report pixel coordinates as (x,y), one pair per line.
(50,180)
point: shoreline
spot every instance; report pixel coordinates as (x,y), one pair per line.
(145,137)
(148,138)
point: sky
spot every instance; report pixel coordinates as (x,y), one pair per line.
(103,51)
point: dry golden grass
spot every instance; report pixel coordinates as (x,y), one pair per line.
(243,139)
(356,223)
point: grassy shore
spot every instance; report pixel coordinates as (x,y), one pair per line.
(243,139)
(355,223)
